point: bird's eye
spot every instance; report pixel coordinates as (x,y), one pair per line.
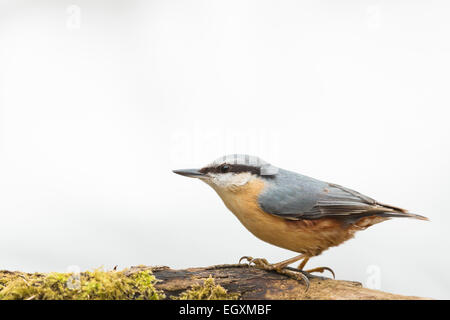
(224,168)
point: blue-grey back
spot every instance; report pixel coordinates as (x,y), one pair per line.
(291,193)
(294,196)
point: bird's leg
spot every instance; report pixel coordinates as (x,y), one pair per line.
(280,267)
(319,269)
(283,264)
(303,263)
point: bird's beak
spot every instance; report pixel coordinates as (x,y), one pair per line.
(191,173)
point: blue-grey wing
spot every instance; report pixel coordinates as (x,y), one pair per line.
(293,196)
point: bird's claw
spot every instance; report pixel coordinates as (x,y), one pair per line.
(322,270)
(295,274)
(257,262)
(248,258)
(263,264)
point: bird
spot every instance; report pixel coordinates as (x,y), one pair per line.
(291,210)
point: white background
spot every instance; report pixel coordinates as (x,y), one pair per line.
(100,100)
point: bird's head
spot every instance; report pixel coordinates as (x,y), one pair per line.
(231,172)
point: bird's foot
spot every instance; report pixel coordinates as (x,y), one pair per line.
(258,262)
(263,264)
(321,270)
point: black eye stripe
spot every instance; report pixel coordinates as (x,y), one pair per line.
(236,168)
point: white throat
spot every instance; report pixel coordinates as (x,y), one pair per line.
(229,179)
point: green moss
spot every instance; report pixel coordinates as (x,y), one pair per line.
(207,291)
(95,285)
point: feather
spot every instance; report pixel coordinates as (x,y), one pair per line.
(293,196)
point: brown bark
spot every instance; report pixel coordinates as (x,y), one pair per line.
(254,283)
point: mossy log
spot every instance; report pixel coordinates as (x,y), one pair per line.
(253,283)
(230,282)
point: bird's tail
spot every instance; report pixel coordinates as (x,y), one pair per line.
(396,212)
(404,215)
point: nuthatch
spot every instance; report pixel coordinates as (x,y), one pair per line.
(290,210)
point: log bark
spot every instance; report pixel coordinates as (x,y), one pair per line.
(253,283)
